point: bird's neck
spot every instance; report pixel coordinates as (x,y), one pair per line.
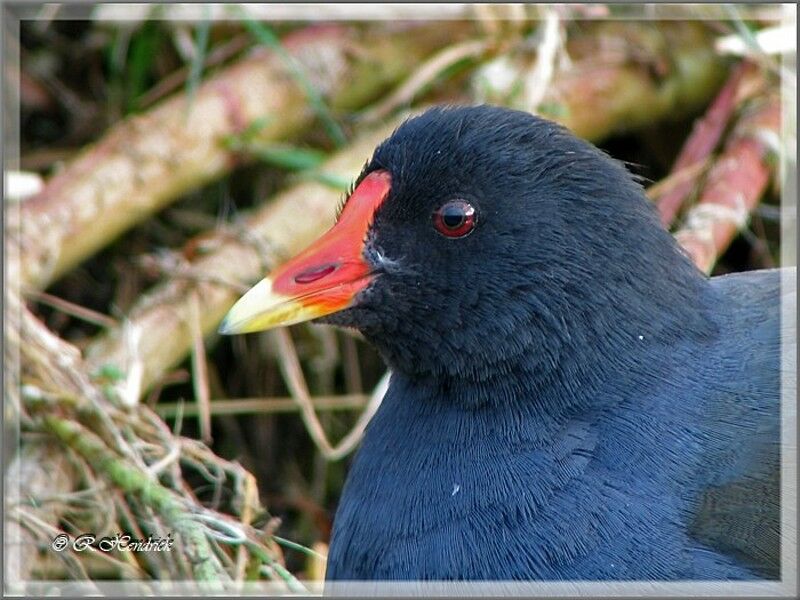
(516,391)
(556,363)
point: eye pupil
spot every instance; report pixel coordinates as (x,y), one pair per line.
(454,219)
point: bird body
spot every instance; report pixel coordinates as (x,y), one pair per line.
(570,397)
(500,491)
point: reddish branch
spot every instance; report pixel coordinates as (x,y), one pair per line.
(734,184)
(701,143)
(148,160)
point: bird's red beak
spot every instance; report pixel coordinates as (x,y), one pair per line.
(322,279)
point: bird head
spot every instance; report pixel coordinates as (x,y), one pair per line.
(479,235)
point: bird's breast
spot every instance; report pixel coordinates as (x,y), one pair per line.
(438,498)
(447,493)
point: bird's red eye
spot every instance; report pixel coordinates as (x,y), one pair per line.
(454,219)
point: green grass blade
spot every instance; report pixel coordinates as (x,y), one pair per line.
(199,58)
(265,36)
(288,157)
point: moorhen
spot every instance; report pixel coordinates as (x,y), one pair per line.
(570,397)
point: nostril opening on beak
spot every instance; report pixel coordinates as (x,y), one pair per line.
(315,273)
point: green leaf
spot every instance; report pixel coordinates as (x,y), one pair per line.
(142,52)
(111,372)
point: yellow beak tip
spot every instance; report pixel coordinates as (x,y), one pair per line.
(226,327)
(261,309)
(244,316)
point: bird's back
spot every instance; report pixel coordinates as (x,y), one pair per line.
(739,510)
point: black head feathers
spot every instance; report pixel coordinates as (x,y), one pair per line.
(567,254)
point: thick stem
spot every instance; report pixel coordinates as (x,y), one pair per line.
(627,75)
(273,233)
(701,143)
(151,159)
(734,185)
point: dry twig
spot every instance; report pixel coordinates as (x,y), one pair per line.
(149,160)
(202,395)
(423,76)
(295,380)
(273,233)
(700,144)
(265,406)
(734,185)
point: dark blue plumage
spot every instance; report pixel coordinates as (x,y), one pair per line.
(570,397)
